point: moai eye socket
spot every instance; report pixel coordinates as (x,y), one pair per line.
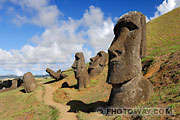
(77,58)
(100,54)
(118,52)
(111,54)
(91,59)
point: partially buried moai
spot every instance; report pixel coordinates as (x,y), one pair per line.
(124,68)
(56,75)
(97,63)
(80,71)
(29,82)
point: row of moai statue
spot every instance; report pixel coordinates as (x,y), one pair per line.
(96,66)
(128,47)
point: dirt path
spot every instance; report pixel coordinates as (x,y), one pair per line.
(63,109)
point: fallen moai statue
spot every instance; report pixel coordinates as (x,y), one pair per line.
(80,71)
(29,82)
(56,75)
(97,63)
(129,87)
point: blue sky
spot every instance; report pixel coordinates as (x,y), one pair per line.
(35,34)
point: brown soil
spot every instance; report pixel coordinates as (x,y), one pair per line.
(48,99)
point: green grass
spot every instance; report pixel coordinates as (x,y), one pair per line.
(163,36)
(18,105)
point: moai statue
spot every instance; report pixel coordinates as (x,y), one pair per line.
(56,75)
(124,68)
(97,63)
(80,71)
(14,84)
(29,82)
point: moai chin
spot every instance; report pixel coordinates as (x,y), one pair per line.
(80,71)
(29,82)
(124,67)
(97,63)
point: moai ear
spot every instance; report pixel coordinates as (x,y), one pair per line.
(143,37)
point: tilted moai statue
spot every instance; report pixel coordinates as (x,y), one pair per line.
(97,63)
(124,68)
(56,75)
(29,82)
(80,71)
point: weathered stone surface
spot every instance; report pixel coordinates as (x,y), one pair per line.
(29,82)
(124,67)
(10,84)
(80,71)
(131,93)
(97,63)
(56,75)
(14,84)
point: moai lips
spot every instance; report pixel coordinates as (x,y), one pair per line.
(80,71)
(125,69)
(29,82)
(97,64)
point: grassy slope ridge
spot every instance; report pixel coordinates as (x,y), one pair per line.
(163,34)
(163,40)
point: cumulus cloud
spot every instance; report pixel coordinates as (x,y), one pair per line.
(56,46)
(38,12)
(166,6)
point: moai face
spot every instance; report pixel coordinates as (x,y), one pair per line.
(79,64)
(127,48)
(97,63)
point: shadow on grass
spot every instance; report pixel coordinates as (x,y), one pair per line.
(22,90)
(66,85)
(53,81)
(76,106)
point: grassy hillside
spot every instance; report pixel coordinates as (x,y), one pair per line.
(17,105)
(163,46)
(163,34)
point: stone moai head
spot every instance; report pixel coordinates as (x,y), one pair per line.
(79,64)
(127,48)
(81,73)
(97,63)
(29,82)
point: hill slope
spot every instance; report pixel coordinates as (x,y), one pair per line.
(163,48)
(162,69)
(163,34)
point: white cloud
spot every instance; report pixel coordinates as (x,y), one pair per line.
(56,46)
(147,19)
(166,6)
(18,72)
(38,12)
